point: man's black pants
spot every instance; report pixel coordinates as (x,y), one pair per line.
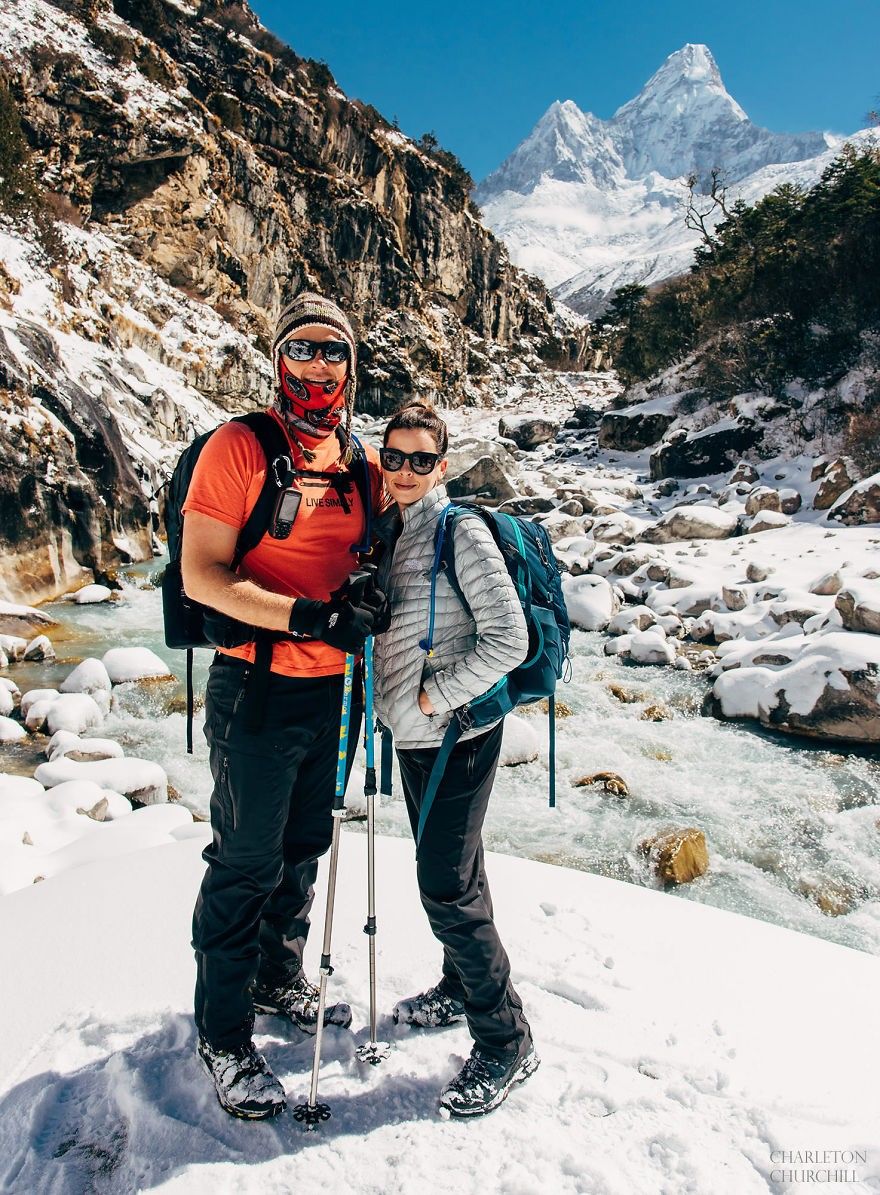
(271,818)
(454,889)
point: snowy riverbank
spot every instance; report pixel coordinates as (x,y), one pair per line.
(683,1048)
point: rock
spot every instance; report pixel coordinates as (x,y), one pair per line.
(706,452)
(89,676)
(767,520)
(623,694)
(733,598)
(861,506)
(15,618)
(559,526)
(583,417)
(519,742)
(691,522)
(485,479)
(757,572)
(140,780)
(66,743)
(74,712)
(819,467)
(92,595)
(628,431)
(743,472)
(13,646)
(610,781)
(763,498)
(667,488)
(133,664)
(839,476)
(631,618)
(650,647)
(526,431)
(833,897)
(791,501)
(11,731)
(655,713)
(657,572)
(859,607)
(615,528)
(827,585)
(571,507)
(98,811)
(528,506)
(39,649)
(677,856)
(590,601)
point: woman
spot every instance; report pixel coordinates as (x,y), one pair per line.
(416,694)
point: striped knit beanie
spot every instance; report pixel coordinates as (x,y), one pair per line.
(309,308)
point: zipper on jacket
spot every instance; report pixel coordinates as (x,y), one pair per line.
(238,700)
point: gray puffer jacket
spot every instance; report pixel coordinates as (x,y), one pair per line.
(472,649)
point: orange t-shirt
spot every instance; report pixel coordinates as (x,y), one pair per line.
(314,560)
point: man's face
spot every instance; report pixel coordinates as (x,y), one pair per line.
(317,370)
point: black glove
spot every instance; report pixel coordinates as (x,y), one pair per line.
(340,623)
(381,607)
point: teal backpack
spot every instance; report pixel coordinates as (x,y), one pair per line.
(528,554)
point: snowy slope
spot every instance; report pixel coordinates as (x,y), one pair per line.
(589,204)
(682,1046)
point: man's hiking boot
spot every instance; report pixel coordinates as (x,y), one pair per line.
(244,1083)
(430,1009)
(485,1081)
(298,999)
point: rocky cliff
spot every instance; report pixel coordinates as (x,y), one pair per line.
(197,172)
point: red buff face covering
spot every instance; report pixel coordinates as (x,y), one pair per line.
(311,408)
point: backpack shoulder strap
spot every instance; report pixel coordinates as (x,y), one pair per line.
(274,444)
(360,467)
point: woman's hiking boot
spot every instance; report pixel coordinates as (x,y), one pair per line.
(485,1081)
(243,1081)
(297,999)
(430,1009)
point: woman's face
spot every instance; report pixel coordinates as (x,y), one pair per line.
(403,485)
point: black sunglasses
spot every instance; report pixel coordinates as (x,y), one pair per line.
(334,352)
(420,462)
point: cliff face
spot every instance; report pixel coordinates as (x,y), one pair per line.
(205,173)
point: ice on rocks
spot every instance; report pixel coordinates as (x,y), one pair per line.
(133,664)
(139,779)
(88,676)
(519,742)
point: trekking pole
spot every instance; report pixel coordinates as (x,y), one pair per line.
(372,1051)
(313,1113)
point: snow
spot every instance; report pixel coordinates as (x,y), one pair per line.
(75,712)
(10,731)
(657,1074)
(590,601)
(519,742)
(133,664)
(140,778)
(88,676)
(90,594)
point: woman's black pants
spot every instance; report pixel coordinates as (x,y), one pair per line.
(455,891)
(271,820)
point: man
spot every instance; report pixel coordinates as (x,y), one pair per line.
(274,739)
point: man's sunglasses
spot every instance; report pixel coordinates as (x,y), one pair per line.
(334,352)
(420,462)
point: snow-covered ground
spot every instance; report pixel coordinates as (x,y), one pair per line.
(684,1049)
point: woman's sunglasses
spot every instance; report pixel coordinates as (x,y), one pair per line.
(334,352)
(420,462)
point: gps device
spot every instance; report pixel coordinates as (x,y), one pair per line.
(284,514)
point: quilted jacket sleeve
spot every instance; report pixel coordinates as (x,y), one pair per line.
(502,638)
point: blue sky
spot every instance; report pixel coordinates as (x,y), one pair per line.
(481,75)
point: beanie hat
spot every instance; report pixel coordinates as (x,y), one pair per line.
(311,309)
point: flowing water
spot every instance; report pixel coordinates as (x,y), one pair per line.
(793,829)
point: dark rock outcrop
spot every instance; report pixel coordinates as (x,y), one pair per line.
(705,453)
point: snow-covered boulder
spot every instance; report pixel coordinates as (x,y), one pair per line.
(75,795)
(528,431)
(13,646)
(39,649)
(859,606)
(691,522)
(559,525)
(763,497)
(7,702)
(767,520)
(756,572)
(859,505)
(590,601)
(484,479)
(75,712)
(618,528)
(631,618)
(829,688)
(519,742)
(650,647)
(828,584)
(91,595)
(132,664)
(10,730)
(88,676)
(140,780)
(15,618)
(66,743)
(838,477)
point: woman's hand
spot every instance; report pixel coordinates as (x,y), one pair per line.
(425,704)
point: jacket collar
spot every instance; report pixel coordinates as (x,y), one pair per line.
(426,510)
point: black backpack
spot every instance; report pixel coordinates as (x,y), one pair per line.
(189,624)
